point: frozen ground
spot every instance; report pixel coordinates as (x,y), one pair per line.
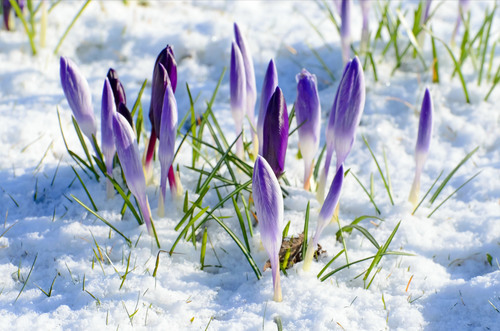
(452,284)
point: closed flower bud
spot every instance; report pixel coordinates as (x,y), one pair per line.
(107,141)
(166,150)
(77,92)
(423,144)
(268,88)
(325,215)
(238,92)
(275,135)
(345,29)
(128,154)
(250,86)
(268,201)
(308,112)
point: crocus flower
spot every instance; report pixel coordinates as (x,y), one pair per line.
(365,12)
(268,201)
(107,141)
(251,90)
(325,215)
(330,140)
(423,143)
(117,87)
(275,135)
(345,29)
(166,151)
(348,109)
(77,92)
(308,111)
(238,91)
(268,88)
(164,72)
(128,153)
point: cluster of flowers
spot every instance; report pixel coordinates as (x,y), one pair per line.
(270,138)
(272,128)
(117,128)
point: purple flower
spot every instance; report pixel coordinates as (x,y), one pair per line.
(268,201)
(251,90)
(117,87)
(166,150)
(330,140)
(268,88)
(128,154)
(164,72)
(275,135)
(423,144)
(308,112)
(238,91)
(325,215)
(77,92)
(345,29)
(348,109)
(107,141)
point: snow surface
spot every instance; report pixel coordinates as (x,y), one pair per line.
(452,284)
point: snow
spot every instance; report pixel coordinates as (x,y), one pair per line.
(447,284)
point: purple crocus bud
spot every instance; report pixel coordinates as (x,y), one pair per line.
(308,112)
(423,143)
(268,87)
(330,140)
(268,201)
(325,215)
(107,141)
(275,135)
(238,91)
(164,72)
(345,29)
(77,92)
(349,108)
(365,11)
(166,150)
(117,87)
(128,154)
(251,90)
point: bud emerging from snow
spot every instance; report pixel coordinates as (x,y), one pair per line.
(107,141)
(423,143)
(164,72)
(308,111)
(238,91)
(128,153)
(77,92)
(268,201)
(275,133)
(168,133)
(325,215)
(250,86)
(268,88)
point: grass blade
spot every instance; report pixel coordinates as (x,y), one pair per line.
(56,50)
(103,220)
(447,179)
(387,186)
